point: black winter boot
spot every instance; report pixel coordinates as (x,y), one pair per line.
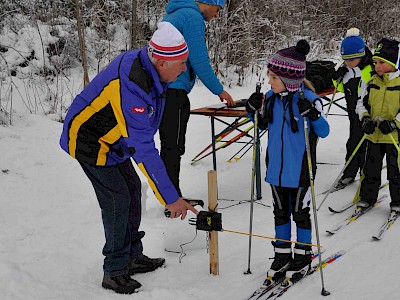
(121,284)
(363,205)
(282,261)
(144,264)
(301,263)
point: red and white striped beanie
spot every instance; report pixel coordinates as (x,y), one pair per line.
(167,43)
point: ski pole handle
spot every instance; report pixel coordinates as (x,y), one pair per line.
(301,94)
(258,88)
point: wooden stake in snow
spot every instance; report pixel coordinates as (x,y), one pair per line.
(213,235)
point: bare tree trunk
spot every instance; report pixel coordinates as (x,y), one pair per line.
(133,24)
(81,37)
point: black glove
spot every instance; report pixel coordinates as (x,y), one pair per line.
(368,126)
(254,103)
(306,108)
(387,127)
(339,73)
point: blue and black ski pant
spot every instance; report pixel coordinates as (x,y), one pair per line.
(292,202)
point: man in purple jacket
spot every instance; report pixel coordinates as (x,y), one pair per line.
(113,120)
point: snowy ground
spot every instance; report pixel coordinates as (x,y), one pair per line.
(51,233)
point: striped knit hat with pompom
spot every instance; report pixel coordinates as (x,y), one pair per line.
(290,65)
(353,45)
(167,43)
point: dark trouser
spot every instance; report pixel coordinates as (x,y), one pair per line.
(172,133)
(118,190)
(372,170)
(296,202)
(355,135)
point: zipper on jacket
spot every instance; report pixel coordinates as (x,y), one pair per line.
(283,125)
(354,73)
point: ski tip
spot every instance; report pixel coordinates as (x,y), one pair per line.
(332,210)
(340,253)
(375,238)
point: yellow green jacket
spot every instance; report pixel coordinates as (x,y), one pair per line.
(381,101)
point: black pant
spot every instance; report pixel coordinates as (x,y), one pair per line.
(118,190)
(374,154)
(355,131)
(173,131)
(357,162)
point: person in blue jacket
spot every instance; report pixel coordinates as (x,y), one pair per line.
(282,114)
(188,17)
(113,120)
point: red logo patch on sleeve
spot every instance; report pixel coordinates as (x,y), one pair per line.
(138,110)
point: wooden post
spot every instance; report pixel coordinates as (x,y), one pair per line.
(213,235)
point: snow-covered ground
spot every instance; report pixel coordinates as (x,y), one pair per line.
(51,234)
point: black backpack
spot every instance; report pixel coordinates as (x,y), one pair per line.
(319,72)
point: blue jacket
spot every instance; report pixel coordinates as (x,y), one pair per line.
(286,152)
(186,16)
(116,117)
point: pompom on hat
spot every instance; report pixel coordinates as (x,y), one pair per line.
(353,46)
(213,2)
(290,65)
(388,50)
(167,43)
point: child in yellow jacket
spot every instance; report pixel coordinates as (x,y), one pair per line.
(379,111)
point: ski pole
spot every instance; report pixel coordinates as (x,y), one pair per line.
(314,205)
(250,144)
(226,144)
(341,172)
(394,142)
(223,134)
(253,176)
(397,147)
(333,97)
(262,133)
(356,197)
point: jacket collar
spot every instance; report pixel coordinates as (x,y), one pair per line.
(161,87)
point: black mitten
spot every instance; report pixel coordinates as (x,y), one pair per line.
(306,108)
(387,127)
(368,126)
(339,73)
(254,103)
